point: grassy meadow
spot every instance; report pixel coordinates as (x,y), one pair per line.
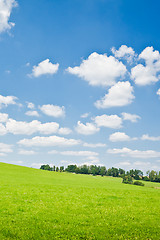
(37,204)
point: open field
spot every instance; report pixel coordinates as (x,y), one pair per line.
(37,204)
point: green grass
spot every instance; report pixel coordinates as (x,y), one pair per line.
(37,204)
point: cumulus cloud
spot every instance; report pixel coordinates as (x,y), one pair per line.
(6,7)
(43,68)
(99,70)
(121,94)
(8,100)
(110,121)
(94,145)
(5,148)
(32,113)
(64,131)
(30,105)
(124,52)
(147,137)
(158,92)
(26,152)
(148,73)
(3,130)
(86,129)
(126,152)
(120,137)
(3,117)
(53,110)
(28,128)
(49,141)
(130,117)
(143,165)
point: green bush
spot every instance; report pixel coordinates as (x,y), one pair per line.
(138,183)
(127,179)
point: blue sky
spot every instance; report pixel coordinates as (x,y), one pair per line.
(80,83)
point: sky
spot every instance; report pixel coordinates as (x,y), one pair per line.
(80,83)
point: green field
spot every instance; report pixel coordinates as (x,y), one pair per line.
(37,204)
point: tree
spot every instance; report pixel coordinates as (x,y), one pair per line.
(61,168)
(46,167)
(57,169)
(71,168)
(103,171)
(152,175)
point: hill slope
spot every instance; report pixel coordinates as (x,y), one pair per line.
(37,204)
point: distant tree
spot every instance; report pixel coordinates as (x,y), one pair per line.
(147,173)
(57,169)
(84,169)
(115,172)
(152,175)
(121,171)
(109,172)
(54,168)
(71,168)
(46,167)
(103,171)
(138,174)
(145,178)
(77,170)
(61,168)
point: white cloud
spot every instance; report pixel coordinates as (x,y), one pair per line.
(53,110)
(3,117)
(126,152)
(121,94)
(142,165)
(6,7)
(124,52)
(130,117)
(26,152)
(5,148)
(44,67)
(65,131)
(120,137)
(30,105)
(8,100)
(49,141)
(148,74)
(85,115)
(28,128)
(147,137)
(32,113)
(110,121)
(3,130)
(86,129)
(99,70)
(94,145)
(158,92)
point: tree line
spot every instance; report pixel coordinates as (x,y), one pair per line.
(94,170)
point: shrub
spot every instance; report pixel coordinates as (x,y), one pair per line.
(127,179)
(138,183)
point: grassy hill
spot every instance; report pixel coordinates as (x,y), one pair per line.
(37,204)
